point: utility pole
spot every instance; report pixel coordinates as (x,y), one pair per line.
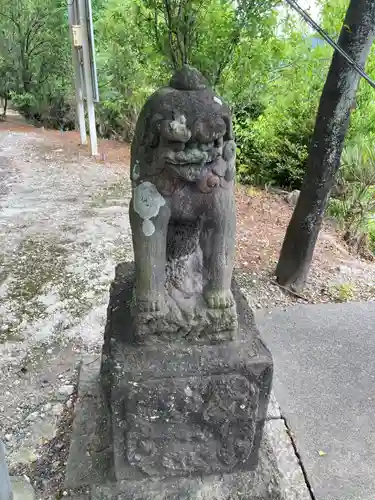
(79,10)
(88,76)
(77,75)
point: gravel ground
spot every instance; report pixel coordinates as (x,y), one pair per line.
(63,228)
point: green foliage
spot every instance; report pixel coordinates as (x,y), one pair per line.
(51,110)
(333,14)
(129,68)
(204,33)
(343,292)
(263,64)
(354,204)
(273,147)
(362,126)
(36,56)
(139,43)
(371,234)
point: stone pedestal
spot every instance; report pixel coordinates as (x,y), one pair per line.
(177,413)
(179,408)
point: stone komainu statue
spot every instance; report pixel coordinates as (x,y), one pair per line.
(181,415)
(182,211)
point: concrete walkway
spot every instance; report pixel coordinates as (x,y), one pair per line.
(325,384)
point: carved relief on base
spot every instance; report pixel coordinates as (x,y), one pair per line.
(179,427)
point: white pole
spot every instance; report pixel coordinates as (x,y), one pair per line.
(87,77)
(77,76)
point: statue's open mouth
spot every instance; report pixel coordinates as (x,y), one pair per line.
(193,156)
(189,172)
(192,164)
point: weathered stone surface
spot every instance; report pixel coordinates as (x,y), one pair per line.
(277,477)
(188,317)
(181,408)
(185,379)
(22,489)
(239,486)
(44,428)
(5,487)
(291,480)
(90,454)
(203,326)
(182,211)
(273,408)
(191,425)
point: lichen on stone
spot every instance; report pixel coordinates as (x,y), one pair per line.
(147,203)
(136,172)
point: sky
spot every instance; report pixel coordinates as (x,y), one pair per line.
(311,6)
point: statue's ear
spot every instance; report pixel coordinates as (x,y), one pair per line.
(229,128)
(152,133)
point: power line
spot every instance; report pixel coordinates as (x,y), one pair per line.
(330,41)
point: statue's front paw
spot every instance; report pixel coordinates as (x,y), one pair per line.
(218,299)
(150,303)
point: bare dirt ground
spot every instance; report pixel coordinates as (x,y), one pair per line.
(63,228)
(335,275)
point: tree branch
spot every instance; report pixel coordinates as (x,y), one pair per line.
(168,19)
(36,46)
(33,30)
(13,20)
(156,29)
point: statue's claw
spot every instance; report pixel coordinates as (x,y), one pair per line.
(219,299)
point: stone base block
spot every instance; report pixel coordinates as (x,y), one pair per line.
(239,486)
(180,408)
(90,470)
(174,417)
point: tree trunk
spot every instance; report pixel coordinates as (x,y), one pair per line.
(356,38)
(5,105)
(26,75)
